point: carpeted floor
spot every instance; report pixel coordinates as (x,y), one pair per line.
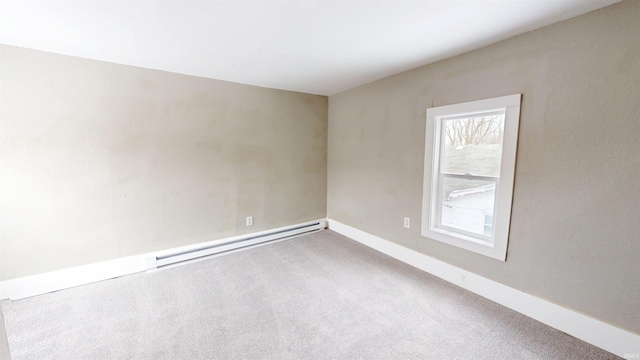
(320,296)
(4,347)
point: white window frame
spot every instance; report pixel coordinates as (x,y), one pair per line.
(494,246)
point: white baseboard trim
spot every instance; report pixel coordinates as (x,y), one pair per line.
(33,285)
(28,286)
(605,336)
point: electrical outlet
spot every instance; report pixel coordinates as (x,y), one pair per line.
(249,220)
(407,223)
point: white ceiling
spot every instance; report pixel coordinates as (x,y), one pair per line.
(318,47)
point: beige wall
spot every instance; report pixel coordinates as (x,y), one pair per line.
(100,161)
(575,233)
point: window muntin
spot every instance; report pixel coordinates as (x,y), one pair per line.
(469,170)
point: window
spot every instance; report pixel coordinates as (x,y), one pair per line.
(488,225)
(469,168)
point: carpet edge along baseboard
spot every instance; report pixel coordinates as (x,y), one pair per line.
(593,331)
(23,287)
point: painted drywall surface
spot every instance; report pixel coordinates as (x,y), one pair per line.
(575,232)
(100,161)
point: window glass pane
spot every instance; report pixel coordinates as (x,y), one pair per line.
(467,204)
(488,225)
(472,145)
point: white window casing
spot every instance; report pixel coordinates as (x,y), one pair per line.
(470,229)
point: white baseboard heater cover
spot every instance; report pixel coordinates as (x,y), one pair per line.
(249,240)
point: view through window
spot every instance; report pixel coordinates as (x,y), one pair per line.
(469,172)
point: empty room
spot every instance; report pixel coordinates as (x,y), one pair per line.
(320,179)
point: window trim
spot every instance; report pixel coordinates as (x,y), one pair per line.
(504,184)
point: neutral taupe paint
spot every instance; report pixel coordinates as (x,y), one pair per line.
(575,230)
(100,161)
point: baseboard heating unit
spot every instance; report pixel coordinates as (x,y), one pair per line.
(189,254)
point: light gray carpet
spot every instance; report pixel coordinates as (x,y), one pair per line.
(4,347)
(320,296)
